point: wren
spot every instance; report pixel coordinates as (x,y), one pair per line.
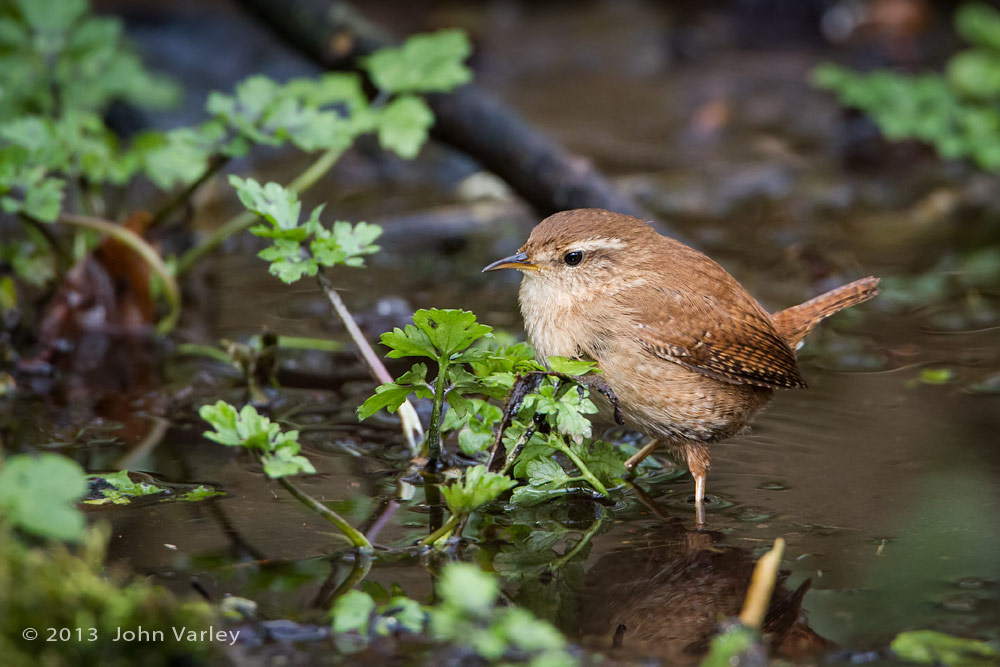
(690,355)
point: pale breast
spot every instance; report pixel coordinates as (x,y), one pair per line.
(553,320)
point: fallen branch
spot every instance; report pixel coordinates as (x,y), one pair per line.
(335,34)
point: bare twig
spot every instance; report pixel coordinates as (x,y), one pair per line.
(215,163)
(408,418)
(765,574)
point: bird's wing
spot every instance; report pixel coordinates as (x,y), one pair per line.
(736,344)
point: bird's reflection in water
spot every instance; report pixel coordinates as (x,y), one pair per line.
(663,593)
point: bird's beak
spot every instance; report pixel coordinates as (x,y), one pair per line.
(518,261)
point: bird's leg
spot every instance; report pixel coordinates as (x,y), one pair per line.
(699,499)
(633,461)
(698,462)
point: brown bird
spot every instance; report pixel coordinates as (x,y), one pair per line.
(690,355)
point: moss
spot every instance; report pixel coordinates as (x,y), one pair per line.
(51,586)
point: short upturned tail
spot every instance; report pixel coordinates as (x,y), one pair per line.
(796,322)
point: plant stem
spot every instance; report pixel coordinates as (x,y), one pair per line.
(304,343)
(140,246)
(362,566)
(584,470)
(432,443)
(560,562)
(237,224)
(409,420)
(215,163)
(356,537)
(209,351)
(448,526)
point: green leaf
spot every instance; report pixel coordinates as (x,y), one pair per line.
(179,156)
(352,612)
(48,16)
(403,126)
(344,244)
(274,203)
(329,88)
(400,614)
(732,646)
(391,395)
(573,367)
(200,492)
(975,73)
(476,419)
(124,488)
(565,411)
(979,24)
(450,331)
(37,495)
(288,254)
(437,334)
(424,63)
(544,471)
(936,648)
(408,342)
(936,375)
(465,587)
(285,462)
(524,630)
(601,459)
(530,495)
(477,487)
(279,451)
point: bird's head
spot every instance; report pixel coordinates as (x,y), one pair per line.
(579,252)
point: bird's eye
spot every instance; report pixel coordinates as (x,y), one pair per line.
(573,258)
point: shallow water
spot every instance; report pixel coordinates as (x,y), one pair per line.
(884,487)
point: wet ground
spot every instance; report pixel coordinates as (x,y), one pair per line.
(883,478)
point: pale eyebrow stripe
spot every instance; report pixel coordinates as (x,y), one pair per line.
(599,244)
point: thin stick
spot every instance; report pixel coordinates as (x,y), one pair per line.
(215,163)
(408,418)
(765,574)
(149,442)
